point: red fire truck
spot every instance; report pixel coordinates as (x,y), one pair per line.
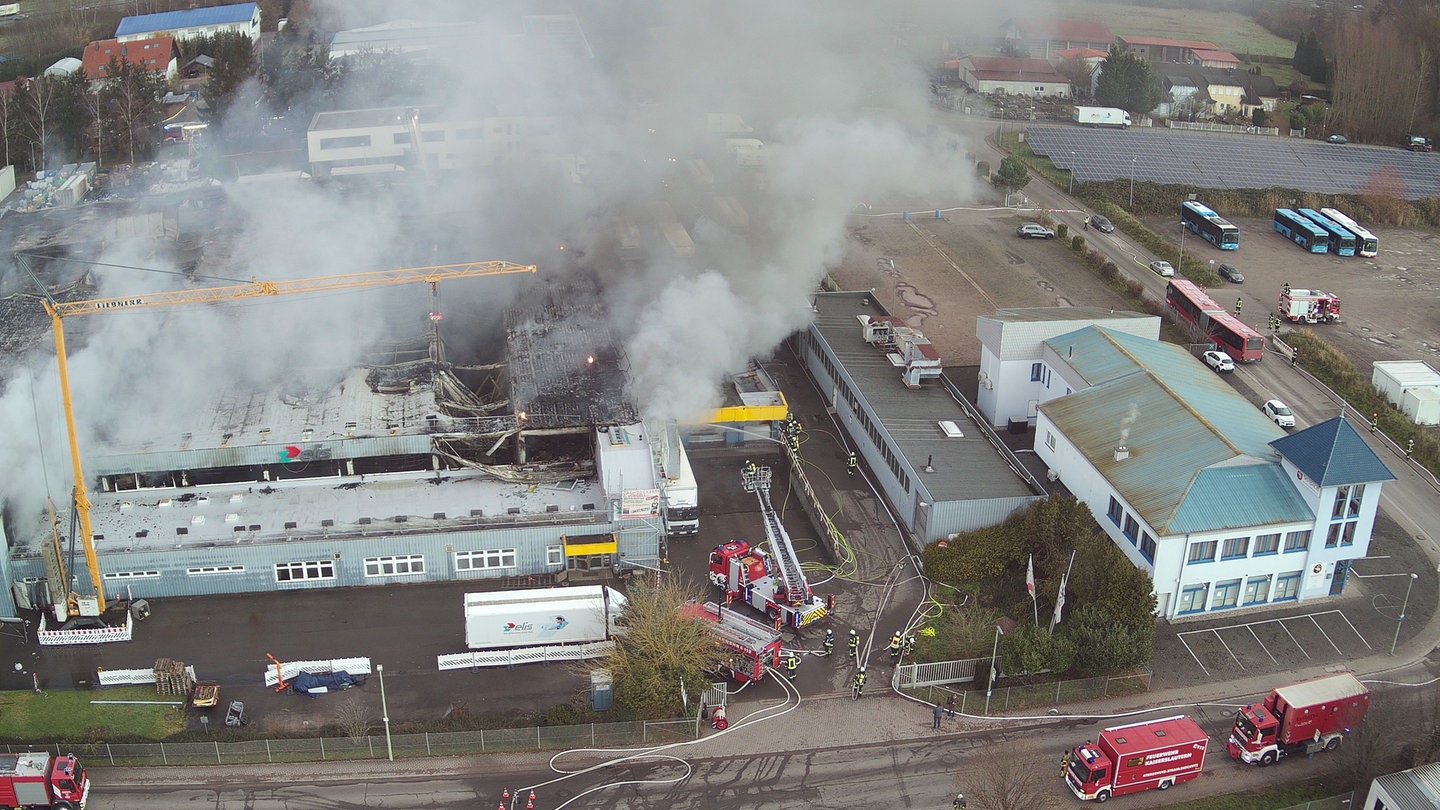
(1140,756)
(1309,306)
(38,780)
(1302,718)
(753,646)
(771,581)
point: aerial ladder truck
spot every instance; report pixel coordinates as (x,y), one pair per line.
(768,580)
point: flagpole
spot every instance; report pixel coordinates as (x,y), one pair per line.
(1030,586)
(1060,595)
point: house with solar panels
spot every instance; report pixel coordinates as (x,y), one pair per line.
(1223,509)
(243,18)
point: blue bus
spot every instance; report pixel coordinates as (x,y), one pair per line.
(1202,220)
(1301,231)
(1342,240)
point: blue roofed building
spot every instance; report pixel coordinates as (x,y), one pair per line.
(242,18)
(1194,484)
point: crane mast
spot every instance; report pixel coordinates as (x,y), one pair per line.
(787,564)
(58,311)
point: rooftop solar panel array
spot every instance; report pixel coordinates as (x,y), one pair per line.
(1232,161)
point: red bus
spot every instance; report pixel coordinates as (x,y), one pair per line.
(1231,335)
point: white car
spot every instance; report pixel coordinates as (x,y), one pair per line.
(1220,361)
(1279,413)
(1162,268)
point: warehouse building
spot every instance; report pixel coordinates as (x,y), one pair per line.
(241,18)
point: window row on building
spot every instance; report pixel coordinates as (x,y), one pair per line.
(1130,527)
(1240,592)
(396,565)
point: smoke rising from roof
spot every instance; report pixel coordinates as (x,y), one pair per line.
(835,90)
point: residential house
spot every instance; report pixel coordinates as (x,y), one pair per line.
(195,73)
(159,56)
(243,18)
(1205,57)
(1157,49)
(1044,39)
(1221,507)
(1012,76)
(1091,58)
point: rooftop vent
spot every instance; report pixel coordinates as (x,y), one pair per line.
(327,523)
(365,521)
(1121,453)
(290,524)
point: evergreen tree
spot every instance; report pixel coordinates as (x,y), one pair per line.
(1127,81)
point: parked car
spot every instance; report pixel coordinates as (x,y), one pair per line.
(1279,413)
(1163,268)
(1102,224)
(1337,139)
(1219,361)
(1231,273)
(1034,230)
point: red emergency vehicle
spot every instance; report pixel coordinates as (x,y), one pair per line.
(37,780)
(1301,718)
(1140,756)
(752,645)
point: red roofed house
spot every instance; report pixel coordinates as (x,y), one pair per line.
(1044,39)
(1157,49)
(1214,59)
(157,55)
(1012,76)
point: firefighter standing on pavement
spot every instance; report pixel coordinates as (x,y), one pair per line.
(909,645)
(792,663)
(850,464)
(829,641)
(854,642)
(859,681)
(896,645)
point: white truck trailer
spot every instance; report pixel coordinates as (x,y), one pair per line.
(1101,117)
(541,616)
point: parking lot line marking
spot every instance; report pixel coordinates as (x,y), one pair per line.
(1192,653)
(1356,631)
(1253,635)
(1298,645)
(1227,649)
(1323,633)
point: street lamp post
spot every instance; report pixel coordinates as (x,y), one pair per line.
(385,712)
(1072,173)
(994,651)
(1400,620)
(1181,263)
(1132,182)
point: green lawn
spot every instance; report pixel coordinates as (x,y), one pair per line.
(1230,30)
(70,716)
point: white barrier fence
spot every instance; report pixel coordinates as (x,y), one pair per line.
(131,677)
(83,635)
(524,655)
(354,666)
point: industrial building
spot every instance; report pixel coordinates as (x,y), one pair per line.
(425,139)
(1195,485)
(938,463)
(397,473)
(241,18)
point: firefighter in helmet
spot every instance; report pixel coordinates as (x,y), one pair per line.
(854,641)
(896,645)
(792,663)
(859,680)
(829,642)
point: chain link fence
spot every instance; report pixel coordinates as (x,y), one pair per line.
(1012,698)
(1341,802)
(544,738)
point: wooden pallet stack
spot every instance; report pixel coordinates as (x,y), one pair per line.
(171,678)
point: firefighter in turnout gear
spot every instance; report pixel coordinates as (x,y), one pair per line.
(859,683)
(850,464)
(909,645)
(896,645)
(829,642)
(792,663)
(854,642)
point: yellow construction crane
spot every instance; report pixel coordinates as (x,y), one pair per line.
(211,295)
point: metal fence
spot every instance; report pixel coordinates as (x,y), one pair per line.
(1206,126)
(593,735)
(1013,698)
(936,673)
(1341,802)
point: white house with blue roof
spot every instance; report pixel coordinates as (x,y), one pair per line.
(243,18)
(1195,485)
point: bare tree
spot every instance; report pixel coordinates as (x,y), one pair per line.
(355,716)
(1376,85)
(1009,780)
(1374,748)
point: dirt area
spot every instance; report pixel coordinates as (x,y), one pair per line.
(940,274)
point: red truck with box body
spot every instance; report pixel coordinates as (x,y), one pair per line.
(1301,718)
(1135,757)
(38,780)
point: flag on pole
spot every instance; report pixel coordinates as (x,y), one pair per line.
(1030,576)
(1060,597)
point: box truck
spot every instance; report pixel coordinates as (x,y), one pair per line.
(1302,718)
(1101,117)
(541,616)
(1128,759)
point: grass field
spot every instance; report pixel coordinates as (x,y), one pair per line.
(1230,30)
(70,716)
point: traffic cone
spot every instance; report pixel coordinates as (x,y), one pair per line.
(530,802)
(505,795)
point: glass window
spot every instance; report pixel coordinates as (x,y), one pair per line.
(1194,598)
(347,142)
(1235,547)
(1342,499)
(554,555)
(1203,551)
(1050,440)
(395,565)
(1347,538)
(309,569)
(1147,546)
(1257,590)
(132,575)
(487,559)
(205,570)
(1227,594)
(1287,586)
(1297,541)
(1332,537)
(1035,370)
(1357,492)
(1132,528)
(1116,511)
(1267,544)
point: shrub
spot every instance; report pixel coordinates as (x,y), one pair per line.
(1109,270)
(1062,231)
(1135,288)
(982,169)
(1077,243)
